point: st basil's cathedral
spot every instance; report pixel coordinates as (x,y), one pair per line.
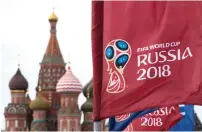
(55,107)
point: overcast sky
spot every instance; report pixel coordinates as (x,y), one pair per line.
(24,30)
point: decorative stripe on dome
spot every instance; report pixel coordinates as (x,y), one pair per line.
(69,79)
(65,81)
(72,88)
(69,89)
(66,84)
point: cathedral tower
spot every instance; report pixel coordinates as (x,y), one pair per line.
(52,69)
(69,114)
(17,112)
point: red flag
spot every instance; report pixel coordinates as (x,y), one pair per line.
(145,55)
(160,120)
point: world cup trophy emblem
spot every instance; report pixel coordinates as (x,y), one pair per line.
(117,55)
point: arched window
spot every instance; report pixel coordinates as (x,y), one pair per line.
(12,110)
(21,110)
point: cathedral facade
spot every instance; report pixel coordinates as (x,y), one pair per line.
(55,107)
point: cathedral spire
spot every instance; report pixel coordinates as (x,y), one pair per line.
(53,54)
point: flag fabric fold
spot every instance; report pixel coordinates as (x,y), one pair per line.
(97,39)
(160,120)
(145,55)
(119,123)
(187,122)
(167,118)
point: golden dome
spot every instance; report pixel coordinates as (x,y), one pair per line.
(53,17)
(39,104)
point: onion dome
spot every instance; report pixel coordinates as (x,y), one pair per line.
(53,17)
(87,106)
(88,93)
(68,83)
(18,82)
(88,89)
(39,103)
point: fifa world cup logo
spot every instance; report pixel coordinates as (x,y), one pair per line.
(117,55)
